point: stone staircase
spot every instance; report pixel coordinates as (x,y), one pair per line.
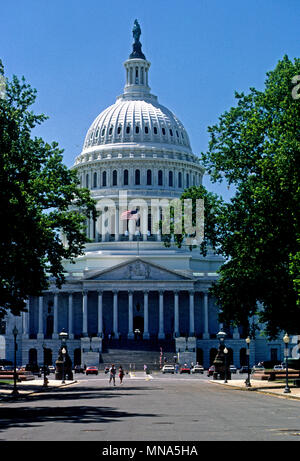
(134,354)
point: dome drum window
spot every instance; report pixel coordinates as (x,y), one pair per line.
(149,177)
(115,178)
(104,179)
(137,177)
(125,177)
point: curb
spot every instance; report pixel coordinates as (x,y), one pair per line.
(258,389)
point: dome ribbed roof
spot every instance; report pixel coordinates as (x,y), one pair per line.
(136,121)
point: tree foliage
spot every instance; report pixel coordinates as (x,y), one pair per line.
(39,198)
(256,146)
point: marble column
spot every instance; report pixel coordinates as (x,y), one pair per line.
(161,333)
(158,221)
(70,312)
(55,317)
(176,313)
(236,333)
(116,224)
(130,315)
(115,315)
(85,313)
(25,321)
(146,315)
(192,314)
(206,331)
(40,334)
(100,314)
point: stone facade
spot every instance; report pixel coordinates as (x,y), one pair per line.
(136,155)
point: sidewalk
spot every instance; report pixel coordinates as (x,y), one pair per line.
(266,387)
(32,387)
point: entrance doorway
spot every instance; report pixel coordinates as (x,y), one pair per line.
(138,323)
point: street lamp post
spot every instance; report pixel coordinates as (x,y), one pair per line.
(63,352)
(45,384)
(63,335)
(286,341)
(247,382)
(15,392)
(225,355)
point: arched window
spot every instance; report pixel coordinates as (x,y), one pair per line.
(32,358)
(146,130)
(163,131)
(187,180)
(128,129)
(137,177)
(115,178)
(170,178)
(95,180)
(160,178)
(149,177)
(137,129)
(125,177)
(171,132)
(119,129)
(87,181)
(110,130)
(104,179)
(179,179)
(155,130)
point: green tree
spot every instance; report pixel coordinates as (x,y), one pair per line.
(256,147)
(39,198)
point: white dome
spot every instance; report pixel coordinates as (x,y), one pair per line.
(137,121)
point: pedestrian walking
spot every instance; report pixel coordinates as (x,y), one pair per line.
(112,374)
(121,374)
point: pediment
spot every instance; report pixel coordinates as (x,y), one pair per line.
(137,269)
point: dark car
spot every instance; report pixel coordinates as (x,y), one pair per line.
(91,371)
(185,369)
(34,368)
(78,369)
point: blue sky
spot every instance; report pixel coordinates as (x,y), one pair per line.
(202,51)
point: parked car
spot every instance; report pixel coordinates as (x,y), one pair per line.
(44,368)
(257,367)
(197,369)
(185,369)
(211,370)
(278,367)
(34,368)
(51,369)
(106,370)
(232,369)
(168,369)
(91,371)
(244,369)
(78,369)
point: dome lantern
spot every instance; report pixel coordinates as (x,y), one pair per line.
(137,68)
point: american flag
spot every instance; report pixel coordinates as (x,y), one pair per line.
(130,214)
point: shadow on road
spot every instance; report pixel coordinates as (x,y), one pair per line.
(24,412)
(25,417)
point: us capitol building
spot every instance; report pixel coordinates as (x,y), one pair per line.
(130,292)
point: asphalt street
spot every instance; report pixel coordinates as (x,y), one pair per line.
(156,408)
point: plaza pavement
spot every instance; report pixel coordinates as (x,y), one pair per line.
(269,387)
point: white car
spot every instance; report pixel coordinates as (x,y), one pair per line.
(168,369)
(278,367)
(197,369)
(232,369)
(51,369)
